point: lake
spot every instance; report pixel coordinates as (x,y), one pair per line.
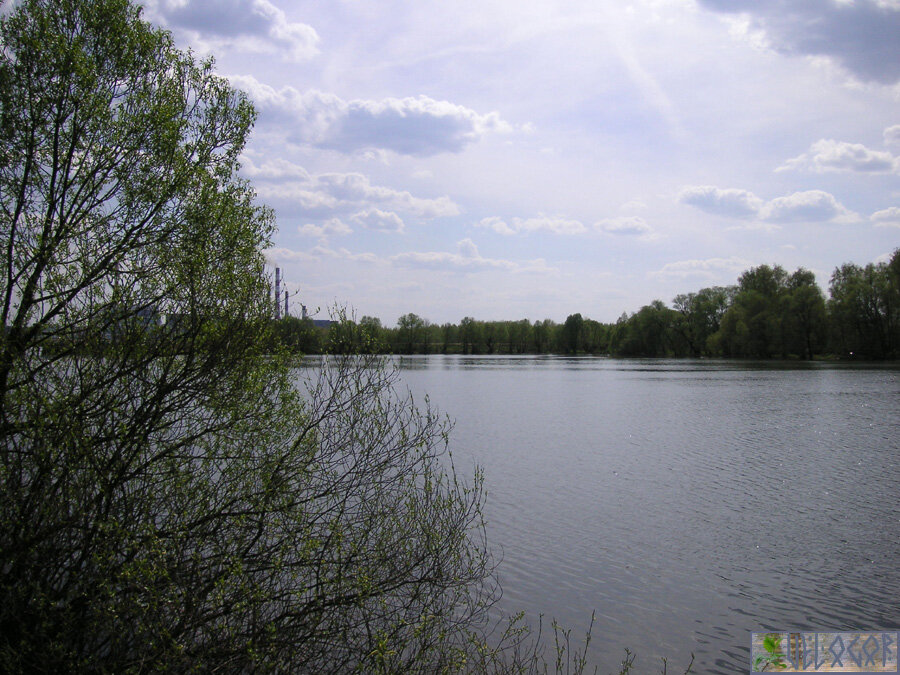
(688,503)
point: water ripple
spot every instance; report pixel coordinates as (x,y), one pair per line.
(687,503)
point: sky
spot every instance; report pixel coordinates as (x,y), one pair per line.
(502,159)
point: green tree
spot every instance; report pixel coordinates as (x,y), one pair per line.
(649,332)
(701,316)
(755,323)
(542,334)
(864,310)
(805,316)
(410,333)
(372,333)
(169,498)
(572,338)
(519,333)
(596,337)
(299,336)
(494,335)
(469,335)
(449,336)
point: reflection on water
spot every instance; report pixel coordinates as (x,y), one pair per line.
(687,502)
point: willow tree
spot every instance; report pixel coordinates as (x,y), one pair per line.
(170,497)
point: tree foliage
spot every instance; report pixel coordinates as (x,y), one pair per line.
(769,313)
(171,496)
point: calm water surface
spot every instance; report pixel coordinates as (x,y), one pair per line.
(686,502)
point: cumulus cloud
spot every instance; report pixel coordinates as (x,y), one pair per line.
(441,260)
(343,254)
(467,259)
(376,219)
(279,254)
(249,25)
(316,254)
(329,227)
(626,226)
(273,169)
(467,248)
(860,35)
(808,206)
(830,155)
(889,217)
(708,268)
(416,126)
(892,135)
(330,195)
(541,223)
(728,202)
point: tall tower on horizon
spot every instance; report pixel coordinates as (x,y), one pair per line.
(277,292)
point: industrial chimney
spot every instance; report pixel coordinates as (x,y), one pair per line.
(277,292)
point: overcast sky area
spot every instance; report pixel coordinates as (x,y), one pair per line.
(508,160)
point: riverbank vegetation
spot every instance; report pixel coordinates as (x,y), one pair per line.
(767,314)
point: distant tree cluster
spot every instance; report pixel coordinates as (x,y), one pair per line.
(769,313)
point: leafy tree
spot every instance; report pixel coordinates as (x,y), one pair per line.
(596,337)
(754,325)
(701,316)
(410,332)
(805,317)
(519,333)
(469,334)
(449,336)
(649,332)
(864,309)
(494,335)
(542,334)
(169,498)
(572,338)
(298,336)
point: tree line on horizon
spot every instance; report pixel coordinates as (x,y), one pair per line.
(769,313)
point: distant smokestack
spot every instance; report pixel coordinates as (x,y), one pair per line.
(303,314)
(286,303)
(277,292)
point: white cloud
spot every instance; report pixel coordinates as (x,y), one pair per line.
(892,135)
(280,254)
(332,194)
(807,206)
(467,248)
(728,202)
(496,224)
(248,25)
(860,35)
(302,198)
(416,126)
(541,223)
(343,254)
(273,169)
(708,268)
(629,226)
(889,217)
(440,260)
(830,155)
(467,259)
(376,219)
(329,227)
